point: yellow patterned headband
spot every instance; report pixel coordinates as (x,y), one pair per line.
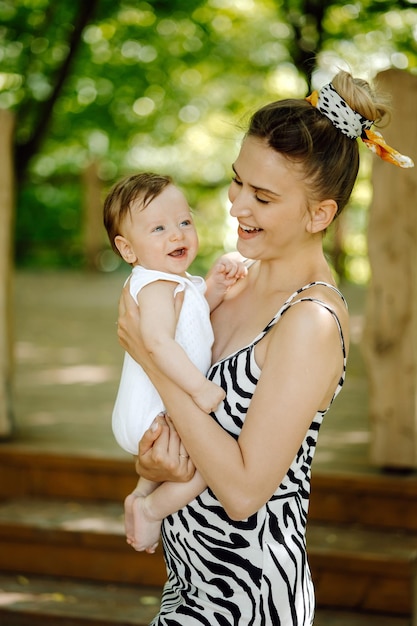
(354,125)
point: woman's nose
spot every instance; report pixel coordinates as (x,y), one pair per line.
(239,204)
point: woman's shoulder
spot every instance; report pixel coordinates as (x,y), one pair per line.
(331,303)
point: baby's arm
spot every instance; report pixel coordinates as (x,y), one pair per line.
(225,272)
(150,510)
(158,324)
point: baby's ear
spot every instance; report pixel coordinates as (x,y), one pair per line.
(322,216)
(124,247)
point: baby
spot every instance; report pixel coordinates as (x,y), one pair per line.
(149,224)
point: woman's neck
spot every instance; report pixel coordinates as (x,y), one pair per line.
(288,276)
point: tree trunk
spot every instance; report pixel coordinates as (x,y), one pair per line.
(390,337)
(6,268)
(93,216)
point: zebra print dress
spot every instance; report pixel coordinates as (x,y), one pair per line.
(253,572)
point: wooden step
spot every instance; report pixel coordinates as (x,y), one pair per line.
(377,501)
(348,618)
(380,500)
(28,473)
(42,601)
(353,568)
(361,569)
(73,539)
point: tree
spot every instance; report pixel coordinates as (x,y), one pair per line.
(15,169)
(390,338)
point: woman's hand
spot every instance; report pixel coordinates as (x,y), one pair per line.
(128,326)
(161,455)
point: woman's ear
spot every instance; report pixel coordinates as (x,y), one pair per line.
(124,247)
(321,216)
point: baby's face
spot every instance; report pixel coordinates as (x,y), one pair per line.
(162,234)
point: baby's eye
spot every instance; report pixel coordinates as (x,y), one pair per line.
(158,229)
(186,223)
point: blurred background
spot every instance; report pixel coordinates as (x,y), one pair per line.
(101,89)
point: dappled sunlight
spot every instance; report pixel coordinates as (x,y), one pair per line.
(338,439)
(28,352)
(76,374)
(94,524)
(356,327)
(341,448)
(42,418)
(14,597)
(59,600)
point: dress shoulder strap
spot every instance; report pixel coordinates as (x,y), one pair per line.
(314,284)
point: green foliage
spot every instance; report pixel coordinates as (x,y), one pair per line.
(164,85)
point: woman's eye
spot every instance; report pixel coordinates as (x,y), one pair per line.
(235,180)
(261,200)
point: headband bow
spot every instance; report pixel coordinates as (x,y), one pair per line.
(354,125)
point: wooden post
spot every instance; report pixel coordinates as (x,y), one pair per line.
(93,216)
(390,336)
(6,268)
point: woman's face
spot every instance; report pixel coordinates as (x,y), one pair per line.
(269,200)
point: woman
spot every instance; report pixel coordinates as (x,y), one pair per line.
(236,554)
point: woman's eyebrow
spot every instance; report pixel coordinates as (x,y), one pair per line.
(269,191)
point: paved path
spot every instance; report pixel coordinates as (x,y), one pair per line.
(68,365)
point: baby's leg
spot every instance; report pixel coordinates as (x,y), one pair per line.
(149,511)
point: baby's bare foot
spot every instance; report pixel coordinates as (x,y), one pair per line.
(146,529)
(129,521)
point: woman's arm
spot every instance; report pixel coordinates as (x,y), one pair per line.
(301,366)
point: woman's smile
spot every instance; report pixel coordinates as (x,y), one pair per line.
(248,232)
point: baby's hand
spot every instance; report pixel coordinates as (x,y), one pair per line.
(224,274)
(228,270)
(209,396)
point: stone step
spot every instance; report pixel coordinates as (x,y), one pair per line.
(353,568)
(43,601)
(373,500)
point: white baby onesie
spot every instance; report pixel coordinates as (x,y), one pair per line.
(138,402)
